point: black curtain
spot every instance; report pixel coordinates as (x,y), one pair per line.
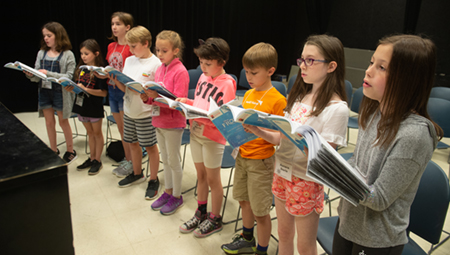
(359,24)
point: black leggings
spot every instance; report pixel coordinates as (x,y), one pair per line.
(342,246)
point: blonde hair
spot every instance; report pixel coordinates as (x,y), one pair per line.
(139,34)
(260,55)
(175,39)
(125,18)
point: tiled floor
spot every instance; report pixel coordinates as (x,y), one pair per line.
(109,220)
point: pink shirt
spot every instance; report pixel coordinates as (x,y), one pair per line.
(222,89)
(175,78)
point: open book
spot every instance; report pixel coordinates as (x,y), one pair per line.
(228,119)
(64,81)
(141,87)
(189,111)
(325,164)
(121,77)
(22,67)
(231,117)
(98,69)
(328,167)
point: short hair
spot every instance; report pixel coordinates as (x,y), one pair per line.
(409,80)
(139,34)
(175,39)
(62,41)
(126,18)
(214,48)
(260,55)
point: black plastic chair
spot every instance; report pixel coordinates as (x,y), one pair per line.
(242,83)
(354,106)
(439,109)
(291,83)
(349,91)
(433,192)
(280,87)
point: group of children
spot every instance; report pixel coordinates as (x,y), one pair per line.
(395,142)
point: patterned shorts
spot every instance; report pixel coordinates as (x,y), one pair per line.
(302,197)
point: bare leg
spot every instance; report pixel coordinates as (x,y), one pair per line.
(215,184)
(67,130)
(286,229)
(153,157)
(136,157)
(97,134)
(126,146)
(50,124)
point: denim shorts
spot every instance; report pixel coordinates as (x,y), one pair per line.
(115,99)
(51,98)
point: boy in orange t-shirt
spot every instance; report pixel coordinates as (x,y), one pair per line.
(255,162)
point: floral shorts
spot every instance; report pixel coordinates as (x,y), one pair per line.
(302,197)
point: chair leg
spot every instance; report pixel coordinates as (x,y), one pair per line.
(433,248)
(195,187)
(226,196)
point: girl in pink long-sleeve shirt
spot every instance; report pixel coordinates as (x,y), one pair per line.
(169,123)
(207,143)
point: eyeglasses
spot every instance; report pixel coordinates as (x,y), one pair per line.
(309,61)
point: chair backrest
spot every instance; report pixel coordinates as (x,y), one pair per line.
(191,94)
(438,109)
(280,87)
(440,92)
(430,205)
(291,83)
(243,80)
(349,91)
(228,160)
(356,100)
(194,75)
(234,77)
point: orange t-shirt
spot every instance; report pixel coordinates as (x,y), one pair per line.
(269,101)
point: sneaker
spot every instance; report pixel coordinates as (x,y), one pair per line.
(161,201)
(193,223)
(132,179)
(152,189)
(124,169)
(209,227)
(239,245)
(172,205)
(86,164)
(57,151)
(69,157)
(95,168)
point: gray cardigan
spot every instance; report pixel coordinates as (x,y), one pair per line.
(67,65)
(394,174)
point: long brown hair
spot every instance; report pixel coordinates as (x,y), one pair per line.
(331,49)
(126,18)
(410,77)
(62,41)
(90,45)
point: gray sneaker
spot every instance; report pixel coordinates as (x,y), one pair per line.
(239,246)
(124,169)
